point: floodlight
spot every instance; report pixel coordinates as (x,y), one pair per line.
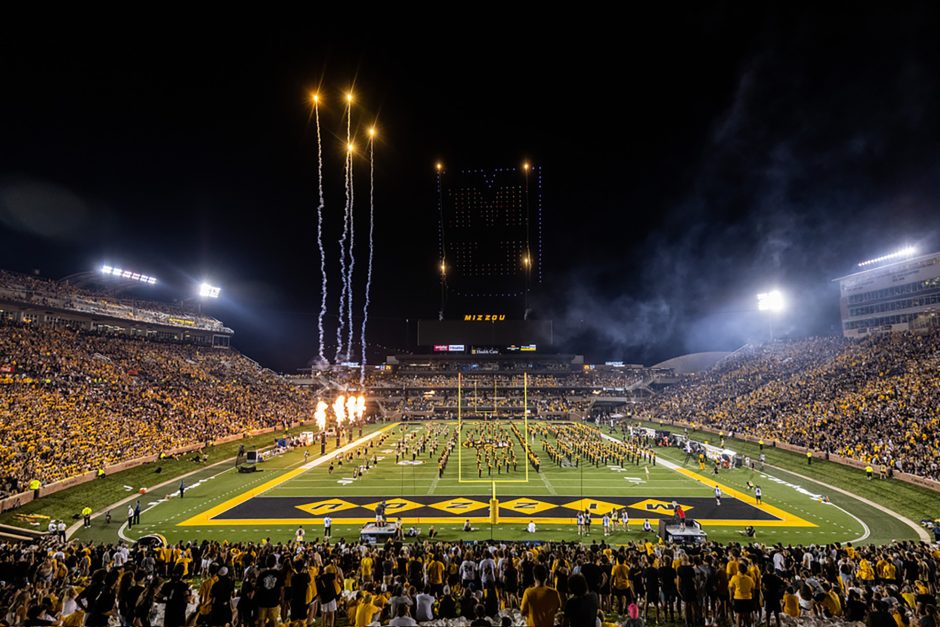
(770,301)
(209,291)
(120,273)
(907,251)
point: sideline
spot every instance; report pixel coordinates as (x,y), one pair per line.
(136,495)
(783,517)
(205,518)
(921,532)
(74,527)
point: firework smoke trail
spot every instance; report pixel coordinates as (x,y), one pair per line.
(342,242)
(365,307)
(316,112)
(352,261)
(342,270)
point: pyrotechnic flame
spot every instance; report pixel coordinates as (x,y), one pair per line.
(351,408)
(339,409)
(320,415)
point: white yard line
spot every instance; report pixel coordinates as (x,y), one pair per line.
(921,532)
(78,524)
(433,485)
(548,484)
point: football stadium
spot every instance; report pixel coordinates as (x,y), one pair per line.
(449,446)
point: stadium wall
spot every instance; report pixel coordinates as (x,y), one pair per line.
(16,500)
(923,482)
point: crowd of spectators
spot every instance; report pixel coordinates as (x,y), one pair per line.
(875,400)
(562,395)
(599,379)
(479,584)
(72,401)
(23,288)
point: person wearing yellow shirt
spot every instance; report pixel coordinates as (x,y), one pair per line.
(887,571)
(365,611)
(741,588)
(791,603)
(620,578)
(365,567)
(185,559)
(831,603)
(435,571)
(205,598)
(539,602)
(865,570)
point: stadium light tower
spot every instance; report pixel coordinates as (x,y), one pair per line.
(209,291)
(907,251)
(128,275)
(773,303)
(770,301)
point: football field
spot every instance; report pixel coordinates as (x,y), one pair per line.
(432,474)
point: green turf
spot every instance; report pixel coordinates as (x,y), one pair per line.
(911,501)
(104,491)
(389,479)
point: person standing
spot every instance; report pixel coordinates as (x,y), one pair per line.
(182,488)
(269,594)
(176,595)
(61,530)
(221,599)
(717,495)
(581,607)
(757,495)
(299,534)
(137,513)
(86,515)
(130,516)
(773,588)
(327,526)
(741,587)
(539,602)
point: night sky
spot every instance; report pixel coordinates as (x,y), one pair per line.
(691,159)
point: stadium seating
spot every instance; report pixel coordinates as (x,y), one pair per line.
(73,402)
(875,400)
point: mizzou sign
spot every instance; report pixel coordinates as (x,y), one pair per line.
(484,317)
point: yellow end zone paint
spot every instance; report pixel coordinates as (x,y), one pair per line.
(475,520)
(205,518)
(786,518)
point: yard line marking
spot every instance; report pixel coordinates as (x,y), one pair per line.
(205,517)
(548,484)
